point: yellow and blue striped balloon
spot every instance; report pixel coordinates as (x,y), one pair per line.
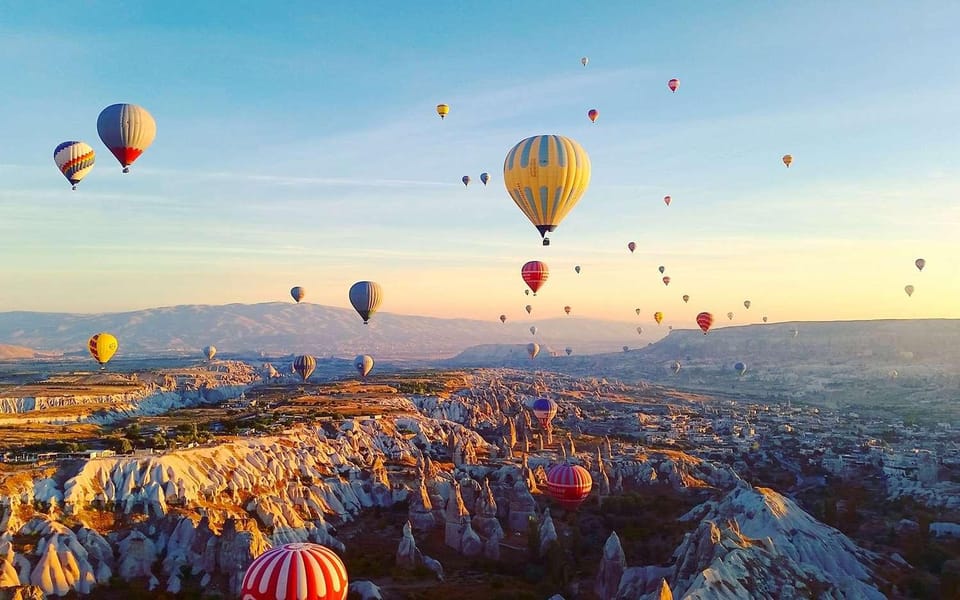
(75,160)
(546,175)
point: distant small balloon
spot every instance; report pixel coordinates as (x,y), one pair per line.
(363,363)
(569,351)
(503,318)
(584,61)
(533,330)
(567,309)
(528,308)
(639,330)
(667,200)
(705,321)
(730,315)
(686,298)
(626,348)
(298,293)
(533,350)
(484,178)
(637,310)
(764,319)
(673,84)
(740,368)
(631,247)
(577,268)
(443,110)
(666,280)
(527,292)
(787,160)
(210,352)
(535,273)
(592,114)
(466,180)
(908,289)
(676,366)
(658,317)
(746,304)
(661,268)
(920,264)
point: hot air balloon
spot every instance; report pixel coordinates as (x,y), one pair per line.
(666,200)
(705,320)
(626,348)
(661,268)
(637,310)
(126,130)
(666,280)
(569,485)
(533,349)
(673,84)
(545,409)
(535,273)
(746,304)
(669,327)
(304,365)
(298,293)
(210,352)
(908,289)
(528,308)
(676,366)
(466,180)
(730,315)
(503,318)
(795,332)
(592,114)
(102,347)
(533,330)
(526,292)
(484,178)
(764,319)
(568,350)
(566,309)
(740,368)
(365,296)
(658,317)
(893,374)
(299,571)
(631,247)
(584,61)
(787,160)
(686,298)
(363,363)
(75,160)
(545,176)
(639,330)
(443,110)
(577,269)
(920,264)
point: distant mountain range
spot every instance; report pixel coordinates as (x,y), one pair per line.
(282,328)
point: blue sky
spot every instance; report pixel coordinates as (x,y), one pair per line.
(299,146)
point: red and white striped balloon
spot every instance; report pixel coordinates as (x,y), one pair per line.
(535,273)
(705,320)
(295,572)
(569,485)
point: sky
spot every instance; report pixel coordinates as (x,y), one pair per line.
(300,146)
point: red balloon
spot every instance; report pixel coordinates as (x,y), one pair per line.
(705,320)
(666,200)
(593,114)
(535,274)
(307,571)
(569,485)
(632,246)
(673,84)
(666,280)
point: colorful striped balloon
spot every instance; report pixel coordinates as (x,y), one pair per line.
(304,365)
(535,273)
(296,572)
(545,410)
(545,176)
(75,160)
(705,320)
(569,485)
(365,296)
(298,293)
(127,130)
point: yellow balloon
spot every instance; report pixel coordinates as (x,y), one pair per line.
(658,317)
(546,175)
(443,110)
(102,347)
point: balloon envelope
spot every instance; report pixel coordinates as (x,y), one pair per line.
(666,280)
(667,200)
(304,366)
(544,409)
(484,178)
(569,351)
(75,160)
(567,309)
(503,318)
(592,114)
(126,130)
(307,571)
(704,321)
(686,298)
(730,315)
(466,180)
(533,330)
(584,61)
(920,264)
(658,317)
(102,346)
(533,349)
(363,363)
(746,304)
(366,296)
(577,268)
(569,485)
(443,110)
(787,160)
(908,289)
(546,175)
(632,246)
(673,84)
(528,308)
(298,293)
(740,368)
(535,273)
(210,352)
